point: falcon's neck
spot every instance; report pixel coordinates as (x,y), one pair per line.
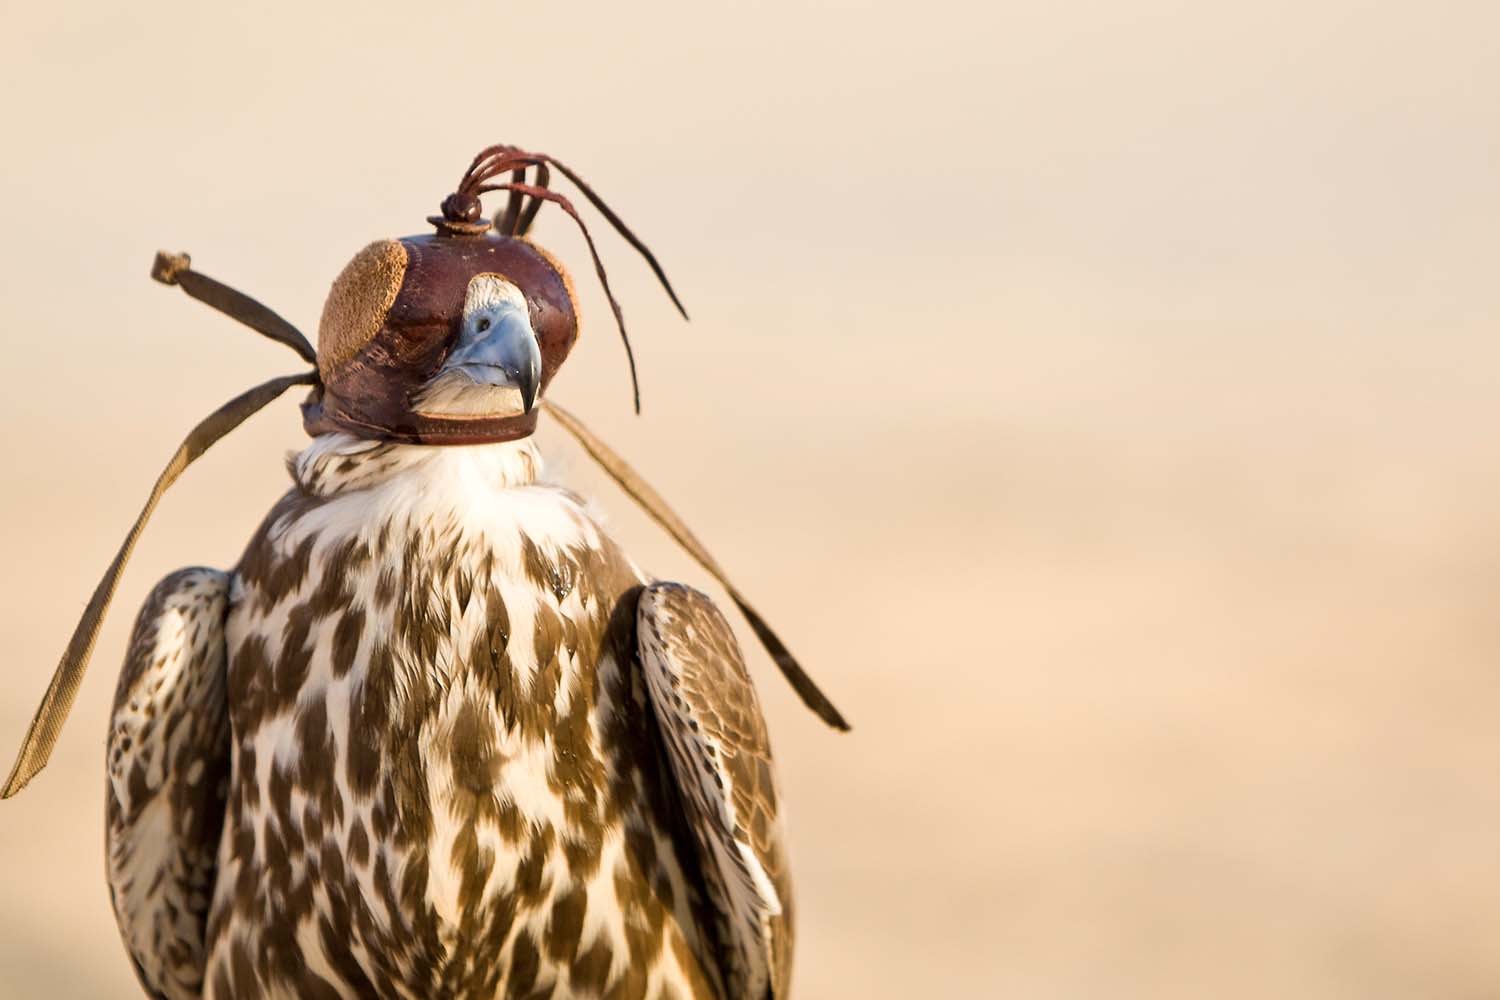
(340,463)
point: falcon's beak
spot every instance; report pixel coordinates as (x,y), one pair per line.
(498,347)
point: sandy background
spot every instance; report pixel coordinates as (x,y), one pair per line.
(1101,397)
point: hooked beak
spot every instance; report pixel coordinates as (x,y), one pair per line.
(498,347)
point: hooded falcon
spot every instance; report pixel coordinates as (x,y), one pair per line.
(435,734)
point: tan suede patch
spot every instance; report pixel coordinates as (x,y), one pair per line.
(358,302)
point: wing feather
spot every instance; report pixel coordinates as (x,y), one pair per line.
(168,761)
(720,756)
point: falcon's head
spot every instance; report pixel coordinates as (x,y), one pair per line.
(443,339)
(452,337)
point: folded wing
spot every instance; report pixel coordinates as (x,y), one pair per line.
(168,757)
(720,755)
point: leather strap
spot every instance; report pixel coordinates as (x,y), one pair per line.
(656,508)
(50,715)
(177,269)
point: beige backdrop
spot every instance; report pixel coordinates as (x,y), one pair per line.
(1100,396)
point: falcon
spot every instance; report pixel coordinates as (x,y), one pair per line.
(435,734)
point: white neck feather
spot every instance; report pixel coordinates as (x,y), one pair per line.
(338,463)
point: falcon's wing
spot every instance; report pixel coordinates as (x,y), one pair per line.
(168,756)
(721,757)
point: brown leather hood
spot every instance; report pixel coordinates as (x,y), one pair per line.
(393,316)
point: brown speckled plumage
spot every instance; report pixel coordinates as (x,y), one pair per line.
(451,771)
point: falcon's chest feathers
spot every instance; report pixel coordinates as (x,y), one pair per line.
(446,778)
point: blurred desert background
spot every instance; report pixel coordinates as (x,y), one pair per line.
(1103,398)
